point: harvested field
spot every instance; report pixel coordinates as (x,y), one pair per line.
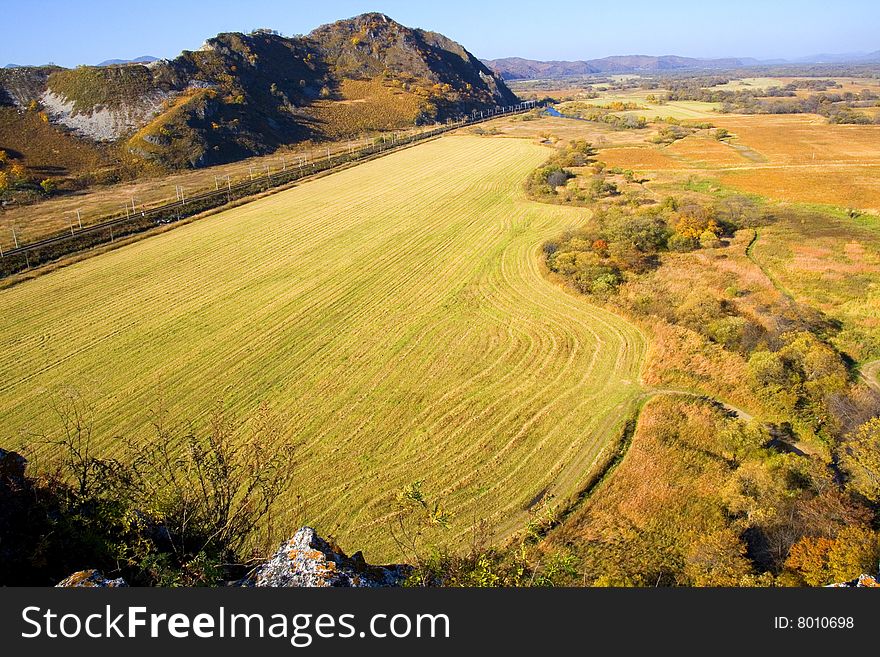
(394,314)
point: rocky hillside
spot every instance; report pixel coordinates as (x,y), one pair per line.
(246,94)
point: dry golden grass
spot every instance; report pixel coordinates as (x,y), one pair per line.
(53,215)
(705,151)
(366,106)
(804,139)
(843,186)
(566,130)
(645,158)
(394,313)
(795,158)
(46,150)
(833,264)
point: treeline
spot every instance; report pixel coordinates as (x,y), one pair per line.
(625,239)
(837,107)
(606,114)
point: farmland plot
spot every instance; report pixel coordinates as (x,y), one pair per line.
(394,314)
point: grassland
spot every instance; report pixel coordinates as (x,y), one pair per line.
(832,263)
(366,106)
(794,158)
(97,203)
(394,314)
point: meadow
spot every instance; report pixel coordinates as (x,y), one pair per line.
(797,158)
(394,314)
(95,204)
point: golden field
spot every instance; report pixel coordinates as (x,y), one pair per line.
(394,314)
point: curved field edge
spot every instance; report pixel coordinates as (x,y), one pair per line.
(395,315)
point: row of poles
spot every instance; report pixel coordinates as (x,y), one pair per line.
(302,161)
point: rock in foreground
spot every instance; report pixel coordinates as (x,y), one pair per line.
(864,581)
(90,579)
(307,560)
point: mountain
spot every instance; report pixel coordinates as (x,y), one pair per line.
(247,94)
(146,59)
(840,58)
(515,68)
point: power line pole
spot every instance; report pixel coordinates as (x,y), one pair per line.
(79,219)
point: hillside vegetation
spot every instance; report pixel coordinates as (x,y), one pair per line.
(241,95)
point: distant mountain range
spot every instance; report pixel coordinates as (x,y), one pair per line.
(146,59)
(517,68)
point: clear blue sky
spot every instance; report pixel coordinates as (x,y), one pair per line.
(70,32)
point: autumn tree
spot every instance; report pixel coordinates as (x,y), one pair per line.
(860,459)
(820,561)
(18,172)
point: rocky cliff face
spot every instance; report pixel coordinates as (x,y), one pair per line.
(306,560)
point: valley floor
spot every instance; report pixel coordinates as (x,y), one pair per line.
(395,315)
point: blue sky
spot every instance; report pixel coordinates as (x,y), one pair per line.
(89,31)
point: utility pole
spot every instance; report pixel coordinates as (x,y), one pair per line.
(79,219)
(14,236)
(268,175)
(328,153)
(251,172)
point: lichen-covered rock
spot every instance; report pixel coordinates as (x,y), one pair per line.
(92,579)
(864,581)
(307,560)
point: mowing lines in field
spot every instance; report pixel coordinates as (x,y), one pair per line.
(395,314)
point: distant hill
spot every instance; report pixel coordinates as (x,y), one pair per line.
(516,68)
(146,59)
(840,58)
(247,94)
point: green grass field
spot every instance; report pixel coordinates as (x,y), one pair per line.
(396,315)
